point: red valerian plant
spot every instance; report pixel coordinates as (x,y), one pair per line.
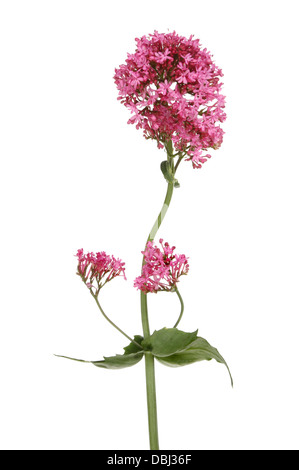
(172,88)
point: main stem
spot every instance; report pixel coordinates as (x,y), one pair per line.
(149,358)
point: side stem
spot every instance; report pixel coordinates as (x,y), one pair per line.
(182,307)
(112,323)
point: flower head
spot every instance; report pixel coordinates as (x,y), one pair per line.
(172,88)
(97,269)
(161,269)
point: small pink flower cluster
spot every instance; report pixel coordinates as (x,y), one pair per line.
(161,269)
(98,269)
(172,88)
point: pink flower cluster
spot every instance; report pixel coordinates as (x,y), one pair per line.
(161,269)
(98,269)
(172,88)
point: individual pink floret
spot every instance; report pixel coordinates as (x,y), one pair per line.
(161,269)
(172,88)
(97,269)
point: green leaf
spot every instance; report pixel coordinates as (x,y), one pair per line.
(132,356)
(168,341)
(168,173)
(198,350)
(132,348)
(71,358)
(119,361)
(166,170)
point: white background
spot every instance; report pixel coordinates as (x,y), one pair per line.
(75,175)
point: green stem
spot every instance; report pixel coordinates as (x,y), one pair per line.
(156,226)
(149,358)
(182,307)
(178,162)
(162,213)
(151,401)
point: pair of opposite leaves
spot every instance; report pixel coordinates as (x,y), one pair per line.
(170,346)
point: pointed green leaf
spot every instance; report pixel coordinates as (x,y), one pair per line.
(133,354)
(198,350)
(119,361)
(71,358)
(168,341)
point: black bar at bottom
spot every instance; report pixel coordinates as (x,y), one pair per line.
(143,458)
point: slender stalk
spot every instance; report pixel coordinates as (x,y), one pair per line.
(182,307)
(178,162)
(111,322)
